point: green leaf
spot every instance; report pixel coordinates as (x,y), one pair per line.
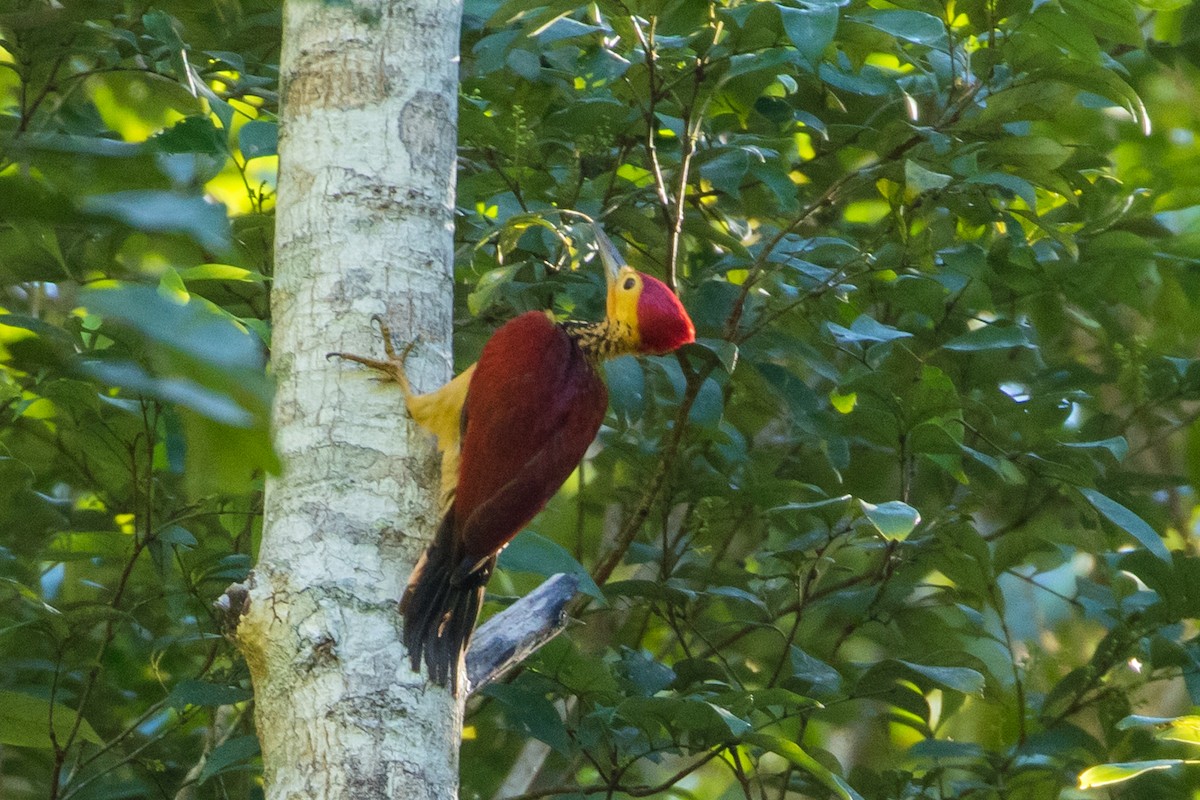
(647,675)
(1172,729)
(187,393)
(958,679)
(1011,183)
(164,27)
(1039,152)
(194,134)
(724,352)
(866,329)
(708,406)
(736,725)
(1108,774)
(1139,721)
(796,755)
(828,502)
(941,751)
(706,721)
(530,711)
(894,520)
(735,593)
(1118,446)
(220,272)
(57,343)
(996,336)
(158,211)
(1064,33)
(1106,84)
(1181,729)
(815,676)
(530,552)
(764,699)
(1130,522)
(668,592)
(192,692)
(626,387)
(204,362)
(563,28)
(79,545)
(810,29)
(190,329)
(488,287)
(1115,20)
(258,138)
(912,26)
(919,179)
(176,535)
(774,60)
(725,168)
(870,81)
(1009,472)
(884,674)
(25,722)
(229,755)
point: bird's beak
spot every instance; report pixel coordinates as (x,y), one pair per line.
(613,262)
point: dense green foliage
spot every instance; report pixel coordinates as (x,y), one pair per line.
(913,519)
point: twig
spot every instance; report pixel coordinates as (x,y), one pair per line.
(632,791)
(606,564)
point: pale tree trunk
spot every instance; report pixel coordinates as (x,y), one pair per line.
(363,227)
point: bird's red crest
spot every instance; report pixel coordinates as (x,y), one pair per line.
(663,323)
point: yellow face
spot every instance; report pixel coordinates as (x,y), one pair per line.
(623,293)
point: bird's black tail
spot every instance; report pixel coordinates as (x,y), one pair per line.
(441,605)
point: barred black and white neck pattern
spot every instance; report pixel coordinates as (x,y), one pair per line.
(600,340)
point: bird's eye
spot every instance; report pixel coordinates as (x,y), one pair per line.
(629,283)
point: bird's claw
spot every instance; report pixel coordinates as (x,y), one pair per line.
(389,346)
(393,365)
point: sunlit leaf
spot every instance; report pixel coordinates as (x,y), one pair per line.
(1108,774)
(893,519)
(796,755)
(1173,729)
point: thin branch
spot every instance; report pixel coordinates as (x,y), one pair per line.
(1018,684)
(609,561)
(647,44)
(632,791)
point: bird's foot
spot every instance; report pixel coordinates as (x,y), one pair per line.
(393,366)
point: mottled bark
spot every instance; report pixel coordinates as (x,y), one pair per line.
(363,227)
(511,636)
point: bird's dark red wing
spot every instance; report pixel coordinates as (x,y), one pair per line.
(534,405)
